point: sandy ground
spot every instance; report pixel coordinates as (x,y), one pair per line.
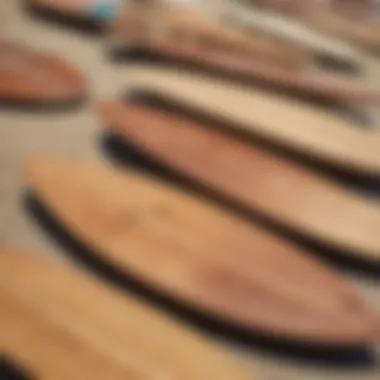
(77,135)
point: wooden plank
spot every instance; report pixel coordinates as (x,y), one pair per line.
(201,256)
(255,178)
(69,315)
(306,129)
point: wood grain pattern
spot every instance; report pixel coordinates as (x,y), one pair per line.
(253,177)
(186,25)
(32,77)
(62,323)
(303,128)
(200,255)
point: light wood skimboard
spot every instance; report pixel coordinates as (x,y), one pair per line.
(61,323)
(232,51)
(201,256)
(255,178)
(303,128)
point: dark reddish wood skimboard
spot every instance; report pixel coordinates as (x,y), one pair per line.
(201,256)
(57,322)
(28,77)
(253,177)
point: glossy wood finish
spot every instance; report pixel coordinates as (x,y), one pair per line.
(306,129)
(253,177)
(182,24)
(201,256)
(32,77)
(62,323)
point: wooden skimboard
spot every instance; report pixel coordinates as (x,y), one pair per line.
(229,50)
(240,170)
(303,128)
(235,273)
(32,78)
(61,323)
(190,26)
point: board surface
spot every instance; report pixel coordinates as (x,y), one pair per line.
(61,323)
(253,177)
(201,256)
(295,125)
(33,77)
